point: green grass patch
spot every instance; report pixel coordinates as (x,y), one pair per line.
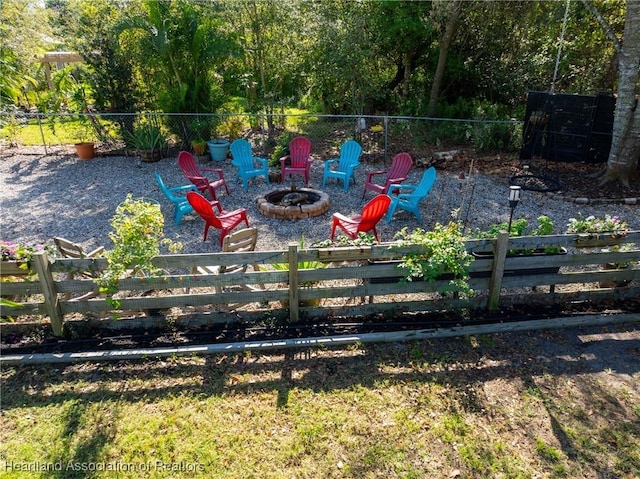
(32,133)
(371,411)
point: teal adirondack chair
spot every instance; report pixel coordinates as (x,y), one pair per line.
(180,203)
(410,201)
(349,159)
(249,166)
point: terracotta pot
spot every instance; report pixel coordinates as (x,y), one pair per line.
(85,150)
(199,148)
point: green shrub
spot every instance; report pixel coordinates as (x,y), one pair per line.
(442,250)
(137,234)
(493,130)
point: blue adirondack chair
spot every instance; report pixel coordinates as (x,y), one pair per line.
(410,201)
(349,159)
(180,203)
(249,166)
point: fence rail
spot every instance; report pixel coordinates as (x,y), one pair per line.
(354,282)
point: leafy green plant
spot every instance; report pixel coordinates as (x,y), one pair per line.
(440,251)
(147,133)
(496,132)
(10,125)
(363,239)
(281,149)
(231,127)
(519,228)
(301,264)
(545,226)
(202,128)
(82,131)
(23,254)
(137,236)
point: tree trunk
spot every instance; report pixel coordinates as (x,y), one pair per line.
(622,164)
(407,76)
(447,38)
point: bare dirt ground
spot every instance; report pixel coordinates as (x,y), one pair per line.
(577,180)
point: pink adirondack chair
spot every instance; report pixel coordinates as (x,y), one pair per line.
(371,214)
(400,167)
(187,164)
(298,161)
(225,221)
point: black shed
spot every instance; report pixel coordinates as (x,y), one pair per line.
(564,127)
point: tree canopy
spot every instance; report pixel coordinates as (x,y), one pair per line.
(431,58)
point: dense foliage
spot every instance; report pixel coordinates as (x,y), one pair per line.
(448,59)
(328,56)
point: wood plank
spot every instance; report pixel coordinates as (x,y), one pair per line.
(294,313)
(344,277)
(495,284)
(51,303)
(15,268)
(20,288)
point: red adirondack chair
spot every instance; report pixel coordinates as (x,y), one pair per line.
(400,167)
(298,161)
(225,221)
(372,212)
(187,164)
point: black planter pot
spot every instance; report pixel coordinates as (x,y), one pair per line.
(482,255)
(613,284)
(397,279)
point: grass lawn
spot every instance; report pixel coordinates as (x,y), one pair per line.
(525,405)
(31,133)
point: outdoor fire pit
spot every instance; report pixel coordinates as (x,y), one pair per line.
(293,203)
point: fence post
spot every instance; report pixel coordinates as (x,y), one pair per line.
(294,313)
(386,137)
(497,270)
(44,142)
(42,266)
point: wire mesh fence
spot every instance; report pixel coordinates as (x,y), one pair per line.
(381,137)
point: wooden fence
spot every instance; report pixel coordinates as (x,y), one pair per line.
(354,282)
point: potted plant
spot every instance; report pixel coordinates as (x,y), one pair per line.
(85,149)
(519,228)
(147,138)
(16,263)
(218,149)
(199,147)
(617,265)
(592,232)
(594,225)
(230,128)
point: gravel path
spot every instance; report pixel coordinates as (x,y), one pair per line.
(58,195)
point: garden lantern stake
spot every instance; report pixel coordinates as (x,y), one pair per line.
(514,198)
